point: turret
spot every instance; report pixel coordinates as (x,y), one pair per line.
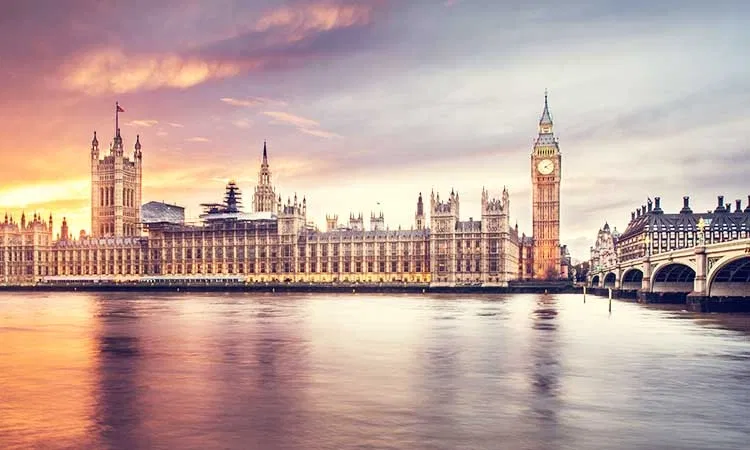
(95,148)
(23,220)
(419,216)
(377,222)
(138,146)
(117,148)
(64,230)
(332,222)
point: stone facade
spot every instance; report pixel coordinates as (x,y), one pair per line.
(604,251)
(24,248)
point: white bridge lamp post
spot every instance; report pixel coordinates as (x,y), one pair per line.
(701,235)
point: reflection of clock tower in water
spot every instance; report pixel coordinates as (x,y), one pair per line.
(545,178)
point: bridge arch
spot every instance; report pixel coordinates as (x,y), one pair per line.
(595,281)
(632,279)
(731,278)
(609,280)
(673,277)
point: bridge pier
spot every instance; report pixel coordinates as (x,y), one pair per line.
(700,285)
(646,282)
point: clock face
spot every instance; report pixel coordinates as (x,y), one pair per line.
(545,167)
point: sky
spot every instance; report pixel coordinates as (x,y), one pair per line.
(365,104)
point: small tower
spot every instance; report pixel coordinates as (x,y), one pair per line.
(443,223)
(64,233)
(292,216)
(419,216)
(332,222)
(356,223)
(265,195)
(377,221)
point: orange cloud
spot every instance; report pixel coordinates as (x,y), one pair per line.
(111,71)
(197,139)
(251,101)
(314,18)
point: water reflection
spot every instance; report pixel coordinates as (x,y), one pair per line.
(47,370)
(313,371)
(545,372)
(119,399)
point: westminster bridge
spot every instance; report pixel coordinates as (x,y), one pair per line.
(712,270)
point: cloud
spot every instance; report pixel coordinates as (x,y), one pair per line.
(251,101)
(280,116)
(142,123)
(242,123)
(197,139)
(303,20)
(175,125)
(112,71)
(307,126)
(319,133)
(161,133)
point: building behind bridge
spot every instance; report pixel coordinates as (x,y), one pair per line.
(651,231)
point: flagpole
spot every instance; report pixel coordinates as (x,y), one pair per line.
(117,117)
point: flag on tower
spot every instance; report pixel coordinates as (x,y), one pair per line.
(119,108)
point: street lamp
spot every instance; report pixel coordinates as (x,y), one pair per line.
(701,236)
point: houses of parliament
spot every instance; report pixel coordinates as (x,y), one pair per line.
(275,243)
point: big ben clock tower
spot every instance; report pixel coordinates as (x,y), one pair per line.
(545,179)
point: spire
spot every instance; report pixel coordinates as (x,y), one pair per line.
(95,141)
(138,142)
(546,118)
(265,154)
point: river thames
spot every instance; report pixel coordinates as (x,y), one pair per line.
(254,371)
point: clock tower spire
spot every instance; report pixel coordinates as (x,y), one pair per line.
(545,179)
